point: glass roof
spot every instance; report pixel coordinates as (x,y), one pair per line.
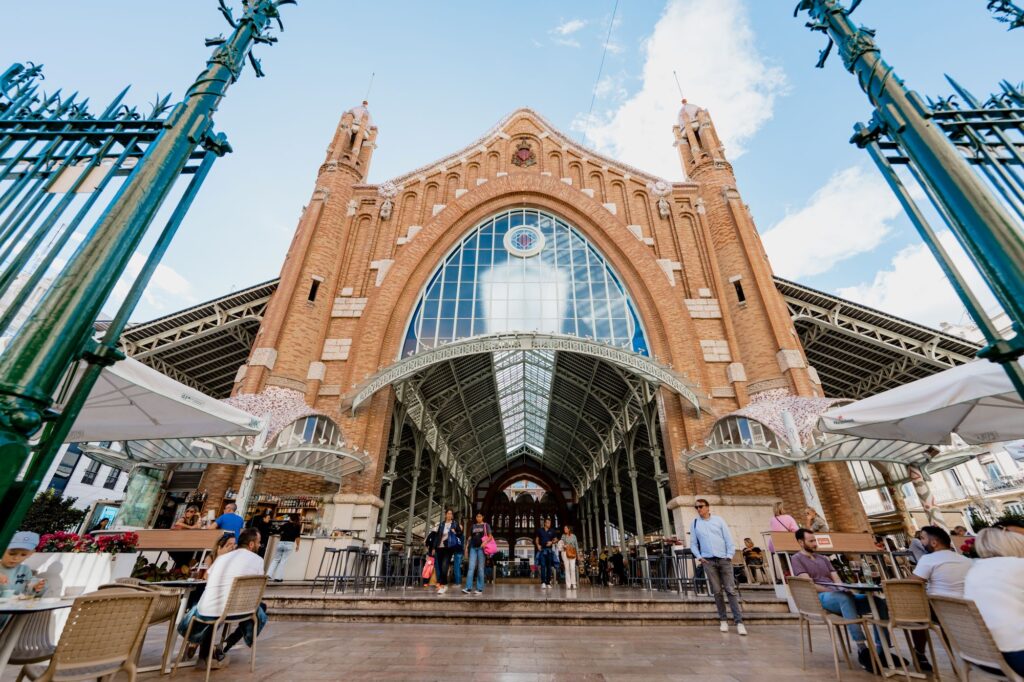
(524,270)
(524,386)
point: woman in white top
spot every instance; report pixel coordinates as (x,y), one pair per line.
(569,547)
(995,584)
(448,540)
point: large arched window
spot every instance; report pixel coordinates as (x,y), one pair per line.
(524,270)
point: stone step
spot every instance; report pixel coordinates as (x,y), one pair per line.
(462,604)
(563,617)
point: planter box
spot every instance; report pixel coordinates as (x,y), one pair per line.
(74,573)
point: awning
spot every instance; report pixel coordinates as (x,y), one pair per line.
(131,401)
(976,401)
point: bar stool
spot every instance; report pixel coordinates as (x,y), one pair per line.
(331,557)
(348,567)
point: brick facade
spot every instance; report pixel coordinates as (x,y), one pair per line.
(687,252)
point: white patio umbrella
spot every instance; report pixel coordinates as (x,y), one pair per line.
(132,401)
(975,400)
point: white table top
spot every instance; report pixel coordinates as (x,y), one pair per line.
(15,605)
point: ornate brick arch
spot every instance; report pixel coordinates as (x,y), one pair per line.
(670,331)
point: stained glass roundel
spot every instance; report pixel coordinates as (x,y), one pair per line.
(524,270)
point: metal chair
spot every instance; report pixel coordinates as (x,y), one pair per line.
(970,637)
(165,609)
(102,636)
(34,645)
(810,610)
(242,604)
(909,610)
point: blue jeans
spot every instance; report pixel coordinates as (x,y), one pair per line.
(476,567)
(457,566)
(849,605)
(545,560)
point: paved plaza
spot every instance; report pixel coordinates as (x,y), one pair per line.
(316,651)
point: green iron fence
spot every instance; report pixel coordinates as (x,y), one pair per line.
(78,192)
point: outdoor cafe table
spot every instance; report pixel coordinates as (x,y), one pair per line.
(19,609)
(188,586)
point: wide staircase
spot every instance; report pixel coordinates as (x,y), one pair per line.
(517,605)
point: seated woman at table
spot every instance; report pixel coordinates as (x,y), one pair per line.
(190,520)
(807,562)
(996,585)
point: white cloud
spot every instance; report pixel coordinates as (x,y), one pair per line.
(710,44)
(567,42)
(849,215)
(569,27)
(167,291)
(914,287)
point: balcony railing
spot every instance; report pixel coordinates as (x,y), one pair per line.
(1002,484)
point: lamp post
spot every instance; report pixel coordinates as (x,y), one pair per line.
(59,330)
(978,218)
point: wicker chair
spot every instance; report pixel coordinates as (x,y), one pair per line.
(34,645)
(810,610)
(242,604)
(168,604)
(909,610)
(970,637)
(102,636)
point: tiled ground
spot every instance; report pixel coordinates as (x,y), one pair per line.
(297,652)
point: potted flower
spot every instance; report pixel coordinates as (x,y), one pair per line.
(81,563)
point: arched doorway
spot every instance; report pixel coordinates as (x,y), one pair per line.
(524,355)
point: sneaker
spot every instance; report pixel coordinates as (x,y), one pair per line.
(477,592)
(220,659)
(741,629)
(864,658)
(442,589)
(465,590)
(723,626)
(190,650)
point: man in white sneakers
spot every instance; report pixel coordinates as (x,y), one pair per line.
(713,546)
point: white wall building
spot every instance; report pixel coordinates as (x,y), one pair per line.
(75,474)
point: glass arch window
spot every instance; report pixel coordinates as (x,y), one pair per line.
(524,270)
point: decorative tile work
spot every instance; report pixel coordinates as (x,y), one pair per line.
(767,407)
(282,405)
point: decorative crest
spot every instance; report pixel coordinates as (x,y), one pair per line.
(661,190)
(389,190)
(524,155)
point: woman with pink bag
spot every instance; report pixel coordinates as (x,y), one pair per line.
(479,537)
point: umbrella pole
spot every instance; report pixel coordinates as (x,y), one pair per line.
(924,493)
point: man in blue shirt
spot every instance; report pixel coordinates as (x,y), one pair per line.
(229,521)
(545,541)
(713,546)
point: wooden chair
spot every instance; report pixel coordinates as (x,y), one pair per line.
(168,603)
(103,634)
(909,610)
(242,604)
(970,637)
(810,610)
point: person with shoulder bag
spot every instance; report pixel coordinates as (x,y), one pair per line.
(570,551)
(480,534)
(448,540)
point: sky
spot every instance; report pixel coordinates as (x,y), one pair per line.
(446,72)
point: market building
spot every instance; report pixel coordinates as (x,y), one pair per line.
(526,309)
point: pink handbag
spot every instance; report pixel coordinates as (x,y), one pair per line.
(490,546)
(428,568)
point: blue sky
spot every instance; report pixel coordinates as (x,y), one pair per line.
(446,72)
